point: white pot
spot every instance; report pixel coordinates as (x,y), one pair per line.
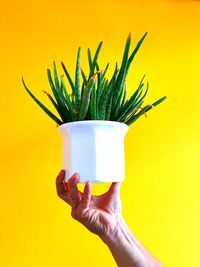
(94,149)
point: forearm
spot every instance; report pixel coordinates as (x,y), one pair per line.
(127,250)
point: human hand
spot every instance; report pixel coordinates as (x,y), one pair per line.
(100,214)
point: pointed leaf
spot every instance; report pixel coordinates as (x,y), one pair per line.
(121,77)
(144,110)
(64,116)
(68,102)
(93,104)
(77,80)
(135,52)
(132,100)
(133,106)
(68,77)
(46,110)
(90,63)
(86,99)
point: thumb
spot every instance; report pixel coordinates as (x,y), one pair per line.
(115,188)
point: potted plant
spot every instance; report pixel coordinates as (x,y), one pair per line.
(94,115)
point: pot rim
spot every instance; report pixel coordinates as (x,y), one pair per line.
(103,122)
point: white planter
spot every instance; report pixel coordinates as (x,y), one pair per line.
(94,149)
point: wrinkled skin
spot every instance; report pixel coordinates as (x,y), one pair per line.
(99,214)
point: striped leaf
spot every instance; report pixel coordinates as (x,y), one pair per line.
(131,101)
(93,104)
(134,105)
(77,80)
(68,77)
(104,100)
(68,101)
(144,110)
(122,74)
(135,52)
(45,109)
(85,101)
(124,96)
(90,63)
(64,115)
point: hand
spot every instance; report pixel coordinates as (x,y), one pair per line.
(100,214)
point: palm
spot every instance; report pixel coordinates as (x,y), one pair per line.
(101,216)
(98,213)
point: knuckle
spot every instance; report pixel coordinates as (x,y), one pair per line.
(73,214)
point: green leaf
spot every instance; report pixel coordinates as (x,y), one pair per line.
(158,101)
(125,55)
(77,81)
(93,104)
(64,115)
(84,77)
(121,77)
(133,106)
(131,111)
(93,62)
(55,93)
(56,89)
(103,84)
(96,55)
(100,83)
(68,77)
(144,110)
(123,110)
(90,63)
(135,117)
(124,71)
(135,52)
(110,100)
(105,70)
(100,80)
(124,96)
(60,96)
(85,101)
(104,100)
(108,108)
(68,101)
(118,105)
(84,82)
(56,78)
(46,110)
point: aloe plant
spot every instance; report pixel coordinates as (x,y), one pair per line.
(93,96)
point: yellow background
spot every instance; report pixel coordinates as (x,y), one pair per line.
(160,194)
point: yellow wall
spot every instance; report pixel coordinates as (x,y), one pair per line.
(160,194)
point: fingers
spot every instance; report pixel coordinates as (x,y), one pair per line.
(59,182)
(73,190)
(60,176)
(68,191)
(86,197)
(115,188)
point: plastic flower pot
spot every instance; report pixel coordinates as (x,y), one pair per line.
(94,149)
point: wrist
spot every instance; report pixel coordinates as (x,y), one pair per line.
(123,247)
(126,248)
(115,232)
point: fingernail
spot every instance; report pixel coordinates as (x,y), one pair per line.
(62,172)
